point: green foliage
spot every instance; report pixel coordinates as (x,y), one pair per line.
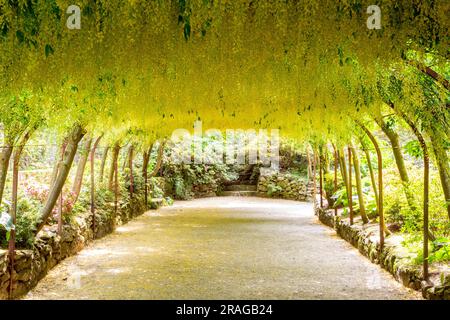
(413,149)
(26,219)
(274,190)
(439,250)
(340,198)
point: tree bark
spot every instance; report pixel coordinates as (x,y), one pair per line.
(426,185)
(372,174)
(145,172)
(356,165)
(5,156)
(443,164)
(116,181)
(341,157)
(400,162)
(320,179)
(114,159)
(159,159)
(431,73)
(382,228)
(78,181)
(92,163)
(336,164)
(13,212)
(72,145)
(130,166)
(58,162)
(350,187)
(314,163)
(103,163)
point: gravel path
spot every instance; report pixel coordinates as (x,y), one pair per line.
(221,248)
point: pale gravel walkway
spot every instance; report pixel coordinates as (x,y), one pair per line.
(221,248)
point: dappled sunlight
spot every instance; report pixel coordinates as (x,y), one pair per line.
(236,251)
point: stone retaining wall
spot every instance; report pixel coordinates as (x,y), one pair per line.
(50,248)
(284,186)
(394,258)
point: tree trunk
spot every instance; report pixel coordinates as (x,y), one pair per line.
(426,185)
(114,159)
(341,157)
(15,182)
(92,163)
(60,204)
(356,165)
(309,166)
(116,181)
(320,179)
(336,163)
(350,187)
(400,162)
(58,163)
(443,164)
(314,163)
(130,166)
(78,181)
(5,156)
(372,174)
(159,159)
(72,145)
(145,173)
(382,227)
(103,163)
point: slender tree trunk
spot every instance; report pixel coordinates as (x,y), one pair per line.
(92,163)
(309,165)
(145,173)
(60,206)
(314,163)
(382,227)
(103,163)
(159,159)
(341,157)
(372,174)
(443,164)
(130,166)
(356,165)
(78,181)
(5,156)
(72,145)
(350,187)
(426,185)
(13,213)
(400,162)
(116,181)
(336,163)
(125,161)
(114,159)
(58,162)
(321,179)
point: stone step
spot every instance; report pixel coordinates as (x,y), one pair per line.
(239,193)
(241,187)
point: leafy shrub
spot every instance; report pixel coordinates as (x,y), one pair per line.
(274,190)
(28,213)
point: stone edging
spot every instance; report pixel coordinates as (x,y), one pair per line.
(392,258)
(50,248)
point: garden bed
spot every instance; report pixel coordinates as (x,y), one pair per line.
(49,248)
(394,258)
